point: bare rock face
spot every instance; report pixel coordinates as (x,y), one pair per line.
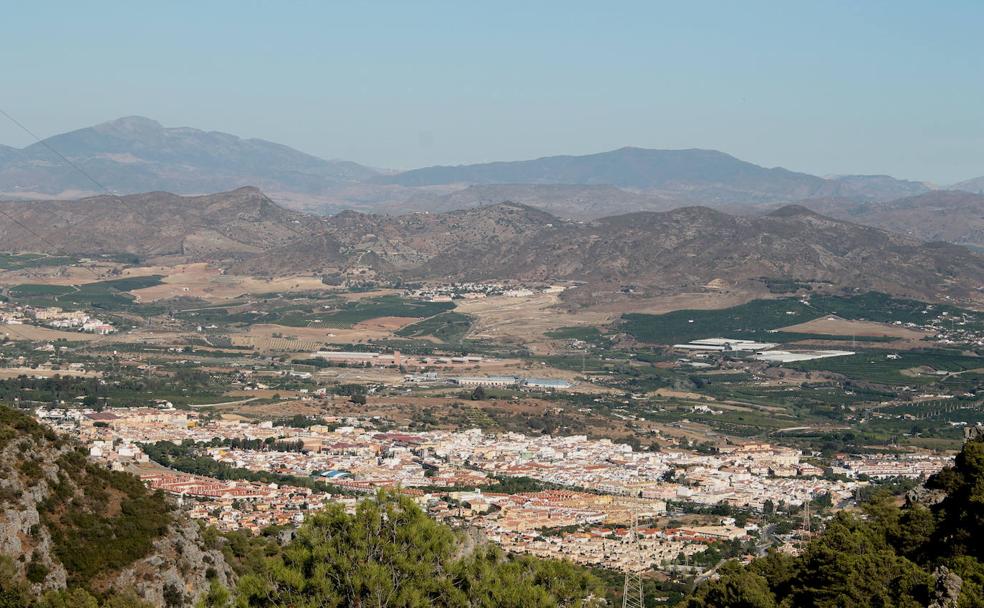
(178,570)
(946,593)
(974,433)
(924,496)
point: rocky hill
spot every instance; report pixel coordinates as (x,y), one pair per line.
(223,225)
(136,154)
(66,523)
(656,252)
(684,249)
(567,201)
(941,215)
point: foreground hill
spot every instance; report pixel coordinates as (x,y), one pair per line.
(136,154)
(702,176)
(654,252)
(66,523)
(157,223)
(942,215)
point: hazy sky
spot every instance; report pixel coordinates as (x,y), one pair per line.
(824,87)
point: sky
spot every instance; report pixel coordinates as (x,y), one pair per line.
(826,87)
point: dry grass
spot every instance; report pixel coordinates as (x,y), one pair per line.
(208,283)
(302,339)
(14,372)
(34,333)
(385,323)
(835,326)
(524,320)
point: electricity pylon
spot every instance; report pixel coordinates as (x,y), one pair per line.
(632,596)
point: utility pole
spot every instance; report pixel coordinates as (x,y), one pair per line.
(632,595)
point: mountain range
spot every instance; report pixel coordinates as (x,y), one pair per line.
(690,249)
(136,155)
(706,176)
(941,215)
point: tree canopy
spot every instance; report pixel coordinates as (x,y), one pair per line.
(890,557)
(390,553)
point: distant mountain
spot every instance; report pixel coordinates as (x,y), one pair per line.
(941,215)
(704,176)
(217,226)
(569,201)
(136,154)
(975,185)
(875,187)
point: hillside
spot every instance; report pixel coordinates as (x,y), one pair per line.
(221,225)
(922,554)
(699,176)
(66,523)
(656,252)
(136,154)
(975,185)
(941,215)
(567,201)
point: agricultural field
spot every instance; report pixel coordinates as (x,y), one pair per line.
(207,283)
(447,327)
(791,319)
(909,368)
(108,295)
(20,261)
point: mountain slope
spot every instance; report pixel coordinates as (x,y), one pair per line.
(702,176)
(136,154)
(157,223)
(683,250)
(941,215)
(627,167)
(659,253)
(975,185)
(569,201)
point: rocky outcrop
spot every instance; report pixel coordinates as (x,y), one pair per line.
(946,593)
(46,481)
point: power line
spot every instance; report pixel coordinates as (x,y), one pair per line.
(67,161)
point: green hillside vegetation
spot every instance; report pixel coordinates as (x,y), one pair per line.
(875,366)
(390,553)
(892,556)
(99,521)
(384,306)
